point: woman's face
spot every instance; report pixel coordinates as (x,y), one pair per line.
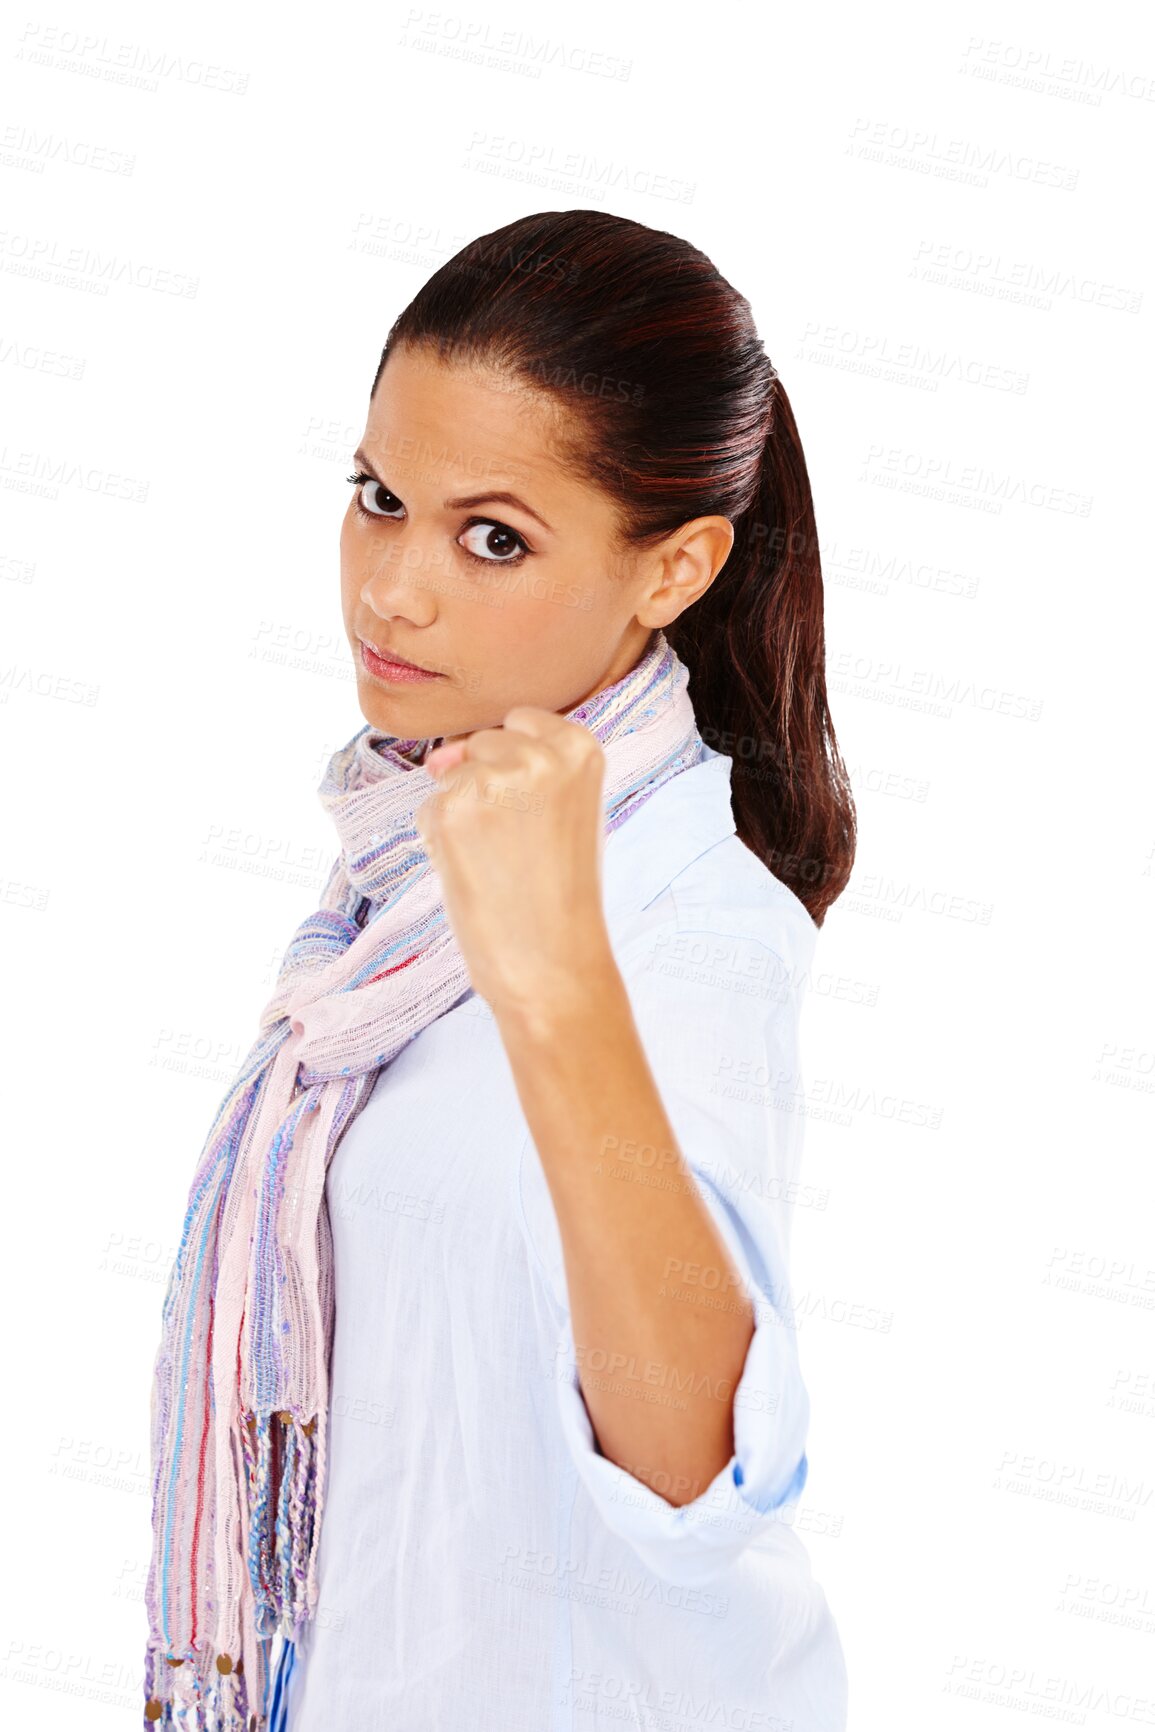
(471,551)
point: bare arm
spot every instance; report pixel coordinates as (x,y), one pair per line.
(658,1371)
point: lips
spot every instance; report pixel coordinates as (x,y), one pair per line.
(392,656)
(393,670)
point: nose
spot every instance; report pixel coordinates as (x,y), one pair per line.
(400,585)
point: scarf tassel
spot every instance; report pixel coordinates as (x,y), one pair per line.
(282,1456)
(197,1696)
(206,1692)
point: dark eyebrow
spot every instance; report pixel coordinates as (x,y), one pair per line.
(467,500)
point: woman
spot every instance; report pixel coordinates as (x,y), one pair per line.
(477,1405)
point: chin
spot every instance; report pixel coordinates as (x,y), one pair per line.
(399,715)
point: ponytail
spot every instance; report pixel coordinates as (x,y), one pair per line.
(755,647)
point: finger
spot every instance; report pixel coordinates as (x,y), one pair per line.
(530,719)
(566,739)
(504,753)
(460,750)
(443,758)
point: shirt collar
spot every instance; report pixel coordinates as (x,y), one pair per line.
(681,820)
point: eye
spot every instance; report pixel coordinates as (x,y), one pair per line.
(494,543)
(384,503)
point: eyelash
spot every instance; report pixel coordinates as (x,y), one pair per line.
(358,480)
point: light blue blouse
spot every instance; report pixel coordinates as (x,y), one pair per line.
(483,1568)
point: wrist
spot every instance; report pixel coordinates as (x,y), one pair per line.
(553,993)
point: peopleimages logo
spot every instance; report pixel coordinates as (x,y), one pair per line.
(922,150)
(1037,68)
(1020,280)
(995,487)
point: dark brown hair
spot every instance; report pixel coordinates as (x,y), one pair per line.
(678,414)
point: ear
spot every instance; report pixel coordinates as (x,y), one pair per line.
(687,568)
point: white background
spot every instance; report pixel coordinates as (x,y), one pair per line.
(936,217)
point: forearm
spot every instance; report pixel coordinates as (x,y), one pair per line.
(658,1368)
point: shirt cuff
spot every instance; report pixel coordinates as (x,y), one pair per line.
(694,1542)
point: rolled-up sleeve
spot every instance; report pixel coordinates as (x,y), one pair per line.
(718,1016)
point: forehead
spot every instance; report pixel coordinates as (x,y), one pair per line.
(456,423)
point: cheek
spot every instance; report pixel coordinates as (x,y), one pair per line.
(540,647)
(523,626)
(560,618)
(547,599)
(347,556)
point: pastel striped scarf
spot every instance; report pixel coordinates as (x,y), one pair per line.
(240,1393)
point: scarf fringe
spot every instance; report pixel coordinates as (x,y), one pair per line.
(198,1693)
(203,1699)
(196,1696)
(283,1456)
